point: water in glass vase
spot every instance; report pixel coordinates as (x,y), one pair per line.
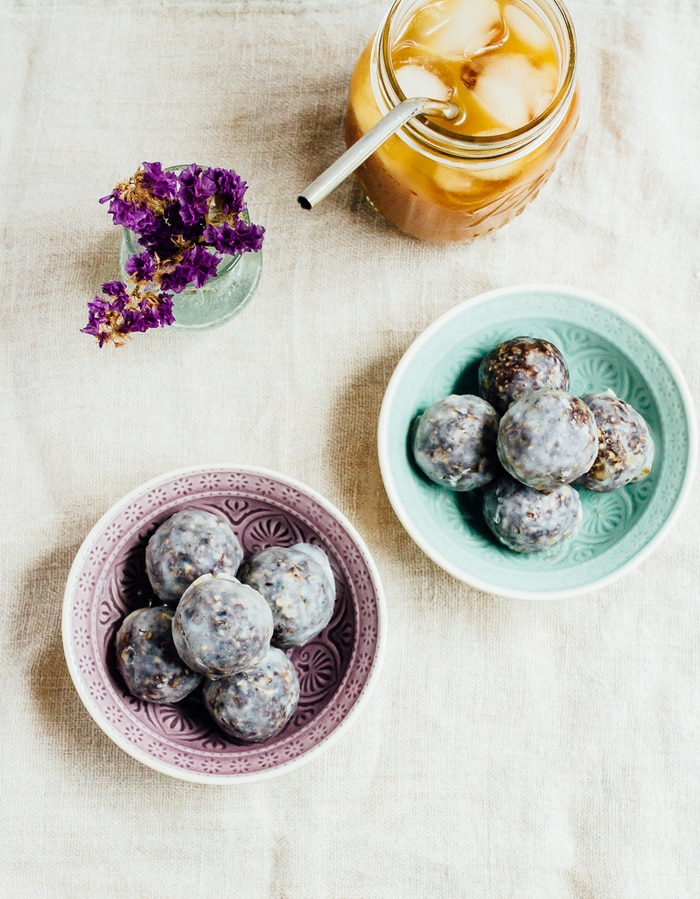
(222,297)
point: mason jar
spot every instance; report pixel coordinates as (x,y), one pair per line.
(433,179)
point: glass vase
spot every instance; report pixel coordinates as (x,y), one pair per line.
(221,298)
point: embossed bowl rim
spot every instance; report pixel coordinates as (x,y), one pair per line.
(140,754)
(386,438)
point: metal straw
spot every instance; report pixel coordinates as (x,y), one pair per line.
(355,155)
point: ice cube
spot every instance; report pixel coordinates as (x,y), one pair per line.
(470,28)
(430,16)
(453,181)
(417,81)
(505,171)
(513,90)
(525,28)
(546,84)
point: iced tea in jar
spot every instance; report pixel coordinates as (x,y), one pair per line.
(510,67)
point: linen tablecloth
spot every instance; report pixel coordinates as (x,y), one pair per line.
(510,748)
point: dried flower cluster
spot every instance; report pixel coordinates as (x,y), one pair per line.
(186,221)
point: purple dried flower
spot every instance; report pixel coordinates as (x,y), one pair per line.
(118,314)
(176,217)
(117,290)
(141,267)
(158,243)
(163,185)
(130,215)
(196,267)
(110,319)
(97,312)
(192,194)
(165,309)
(175,280)
(241,238)
(228,188)
(202,264)
(156,315)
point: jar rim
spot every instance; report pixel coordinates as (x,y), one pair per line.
(435,137)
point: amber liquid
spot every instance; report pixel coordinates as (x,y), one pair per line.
(498,89)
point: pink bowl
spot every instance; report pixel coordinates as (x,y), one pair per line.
(108,580)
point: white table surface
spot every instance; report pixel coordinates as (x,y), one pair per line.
(510,749)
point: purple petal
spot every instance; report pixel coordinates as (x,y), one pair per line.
(140,266)
(163,185)
(243,238)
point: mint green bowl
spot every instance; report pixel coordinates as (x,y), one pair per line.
(604,348)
